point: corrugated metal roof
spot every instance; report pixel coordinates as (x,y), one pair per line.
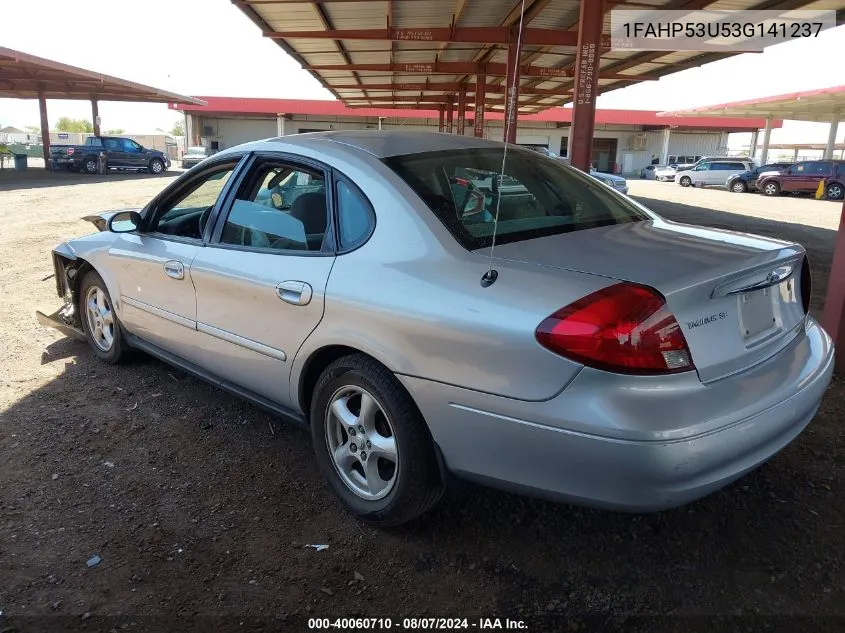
(415,47)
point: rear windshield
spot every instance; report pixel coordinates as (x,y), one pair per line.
(536,197)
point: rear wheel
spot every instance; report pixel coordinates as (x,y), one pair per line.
(771,188)
(90,165)
(739,187)
(372,444)
(156,166)
(685,181)
(99,322)
(835,191)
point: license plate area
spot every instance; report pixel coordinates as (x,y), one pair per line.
(757,310)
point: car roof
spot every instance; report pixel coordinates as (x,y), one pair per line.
(379,143)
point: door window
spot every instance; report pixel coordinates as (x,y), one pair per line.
(186,213)
(131,146)
(800,169)
(355,215)
(703,167)
(821,168)
(281,207)
(113,144)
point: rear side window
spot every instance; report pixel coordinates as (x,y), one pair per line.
(535,197)
(355,216)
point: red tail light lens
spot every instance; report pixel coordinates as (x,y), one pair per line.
(70,151)
(623,328)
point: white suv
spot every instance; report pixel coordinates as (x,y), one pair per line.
(712,172)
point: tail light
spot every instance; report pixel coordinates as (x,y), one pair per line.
(623,328)
(70,151)
(806,284)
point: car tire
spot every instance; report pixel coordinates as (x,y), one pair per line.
(405,476)
(739,187)
(835,191)
(89,166)
(771,188)
(99,321)
(156,166)
(686,181)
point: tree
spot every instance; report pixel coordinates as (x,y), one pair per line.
(66,124)
(178,129)
(117,130)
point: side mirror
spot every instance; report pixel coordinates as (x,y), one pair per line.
(473,204)
(124,222)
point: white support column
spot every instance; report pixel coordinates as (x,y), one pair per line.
(664,151)
(752,149)
(795,156)
(569,144)
(280,125)
(831,137)
(380,122)
(767,136)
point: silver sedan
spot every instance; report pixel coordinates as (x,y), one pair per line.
(424,314)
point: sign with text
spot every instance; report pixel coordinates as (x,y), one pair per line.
(726,31)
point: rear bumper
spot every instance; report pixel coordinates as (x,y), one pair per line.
(628,443)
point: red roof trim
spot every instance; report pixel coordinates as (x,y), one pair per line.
(785,98)
(251,106)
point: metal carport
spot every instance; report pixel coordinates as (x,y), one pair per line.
(25,76)
(823,105)
(477,56)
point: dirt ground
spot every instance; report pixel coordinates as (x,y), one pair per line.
(200,506)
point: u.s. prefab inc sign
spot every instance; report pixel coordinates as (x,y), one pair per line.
(714,30)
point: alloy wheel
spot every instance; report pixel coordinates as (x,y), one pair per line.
(361,443)
(100,318)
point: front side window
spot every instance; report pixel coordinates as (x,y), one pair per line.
(186,214)
(534,198)
(113,144)
(131,146)
(280,207)
(703,167)
(800,168)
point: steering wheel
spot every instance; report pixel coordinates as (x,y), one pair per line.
(204,220)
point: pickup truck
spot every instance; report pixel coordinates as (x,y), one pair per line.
(120,153)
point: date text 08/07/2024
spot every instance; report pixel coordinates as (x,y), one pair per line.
(415,624)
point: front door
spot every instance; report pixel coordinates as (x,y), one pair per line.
(135,156)
(261,281)
(152,267)
(796,178)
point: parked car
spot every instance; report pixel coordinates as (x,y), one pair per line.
(120,153)
(194,155)
(747,180)
(617,182)
(805,177)
(711,172)
(583,349)
(661,173)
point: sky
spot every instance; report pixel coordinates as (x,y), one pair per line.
(208,47)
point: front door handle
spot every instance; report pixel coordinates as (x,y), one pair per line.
(296,293)
(174,269)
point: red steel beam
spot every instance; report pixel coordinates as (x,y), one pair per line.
(458,34)
(512,84)
(586,83)
(480,102)
(464,68)
(450,113)
(834,303)
(447,86)
(441,122)
(462,110)
(444,99)
(45,129)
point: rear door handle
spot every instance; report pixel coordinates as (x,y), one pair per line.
(296,293)
(174,269)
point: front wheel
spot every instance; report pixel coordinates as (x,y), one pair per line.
(372,444)
(156,166)
(835,191)
(771,188)
(739,187)
(99,322)
(686,181)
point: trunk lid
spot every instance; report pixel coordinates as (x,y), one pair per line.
(737,297)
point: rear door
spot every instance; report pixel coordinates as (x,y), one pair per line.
(819,171)
(260,283)
(157,299)
(115,153)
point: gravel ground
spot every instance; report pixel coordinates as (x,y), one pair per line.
(200,506)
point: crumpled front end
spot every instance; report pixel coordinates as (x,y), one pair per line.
(66,269)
